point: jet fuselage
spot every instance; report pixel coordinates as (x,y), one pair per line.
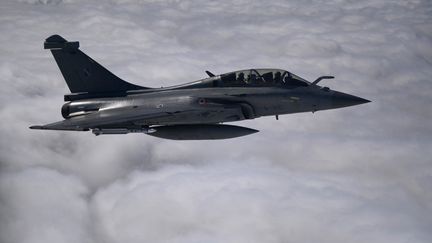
(104,103)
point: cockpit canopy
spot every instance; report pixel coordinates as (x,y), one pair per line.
(262,77)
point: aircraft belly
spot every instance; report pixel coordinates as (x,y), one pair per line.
(204,116)
(285,104)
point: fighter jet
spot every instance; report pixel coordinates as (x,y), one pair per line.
(103,103)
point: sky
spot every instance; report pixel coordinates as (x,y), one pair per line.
(357,174)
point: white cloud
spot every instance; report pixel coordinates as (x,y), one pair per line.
(41,205)
(234,203)
(356,174)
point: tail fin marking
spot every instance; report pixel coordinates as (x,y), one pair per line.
(82,73)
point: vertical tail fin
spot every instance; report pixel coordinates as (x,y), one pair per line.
(81,73)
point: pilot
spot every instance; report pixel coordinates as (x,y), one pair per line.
(277,78)
(253,78)
(287,79)
(240,78)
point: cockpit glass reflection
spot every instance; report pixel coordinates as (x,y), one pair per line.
(262,77)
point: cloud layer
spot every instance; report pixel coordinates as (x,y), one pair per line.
(350,175)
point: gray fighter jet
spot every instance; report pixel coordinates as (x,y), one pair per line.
(105,104)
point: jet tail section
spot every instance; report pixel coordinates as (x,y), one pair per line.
(81,73)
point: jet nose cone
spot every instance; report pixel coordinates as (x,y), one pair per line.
(340,99)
